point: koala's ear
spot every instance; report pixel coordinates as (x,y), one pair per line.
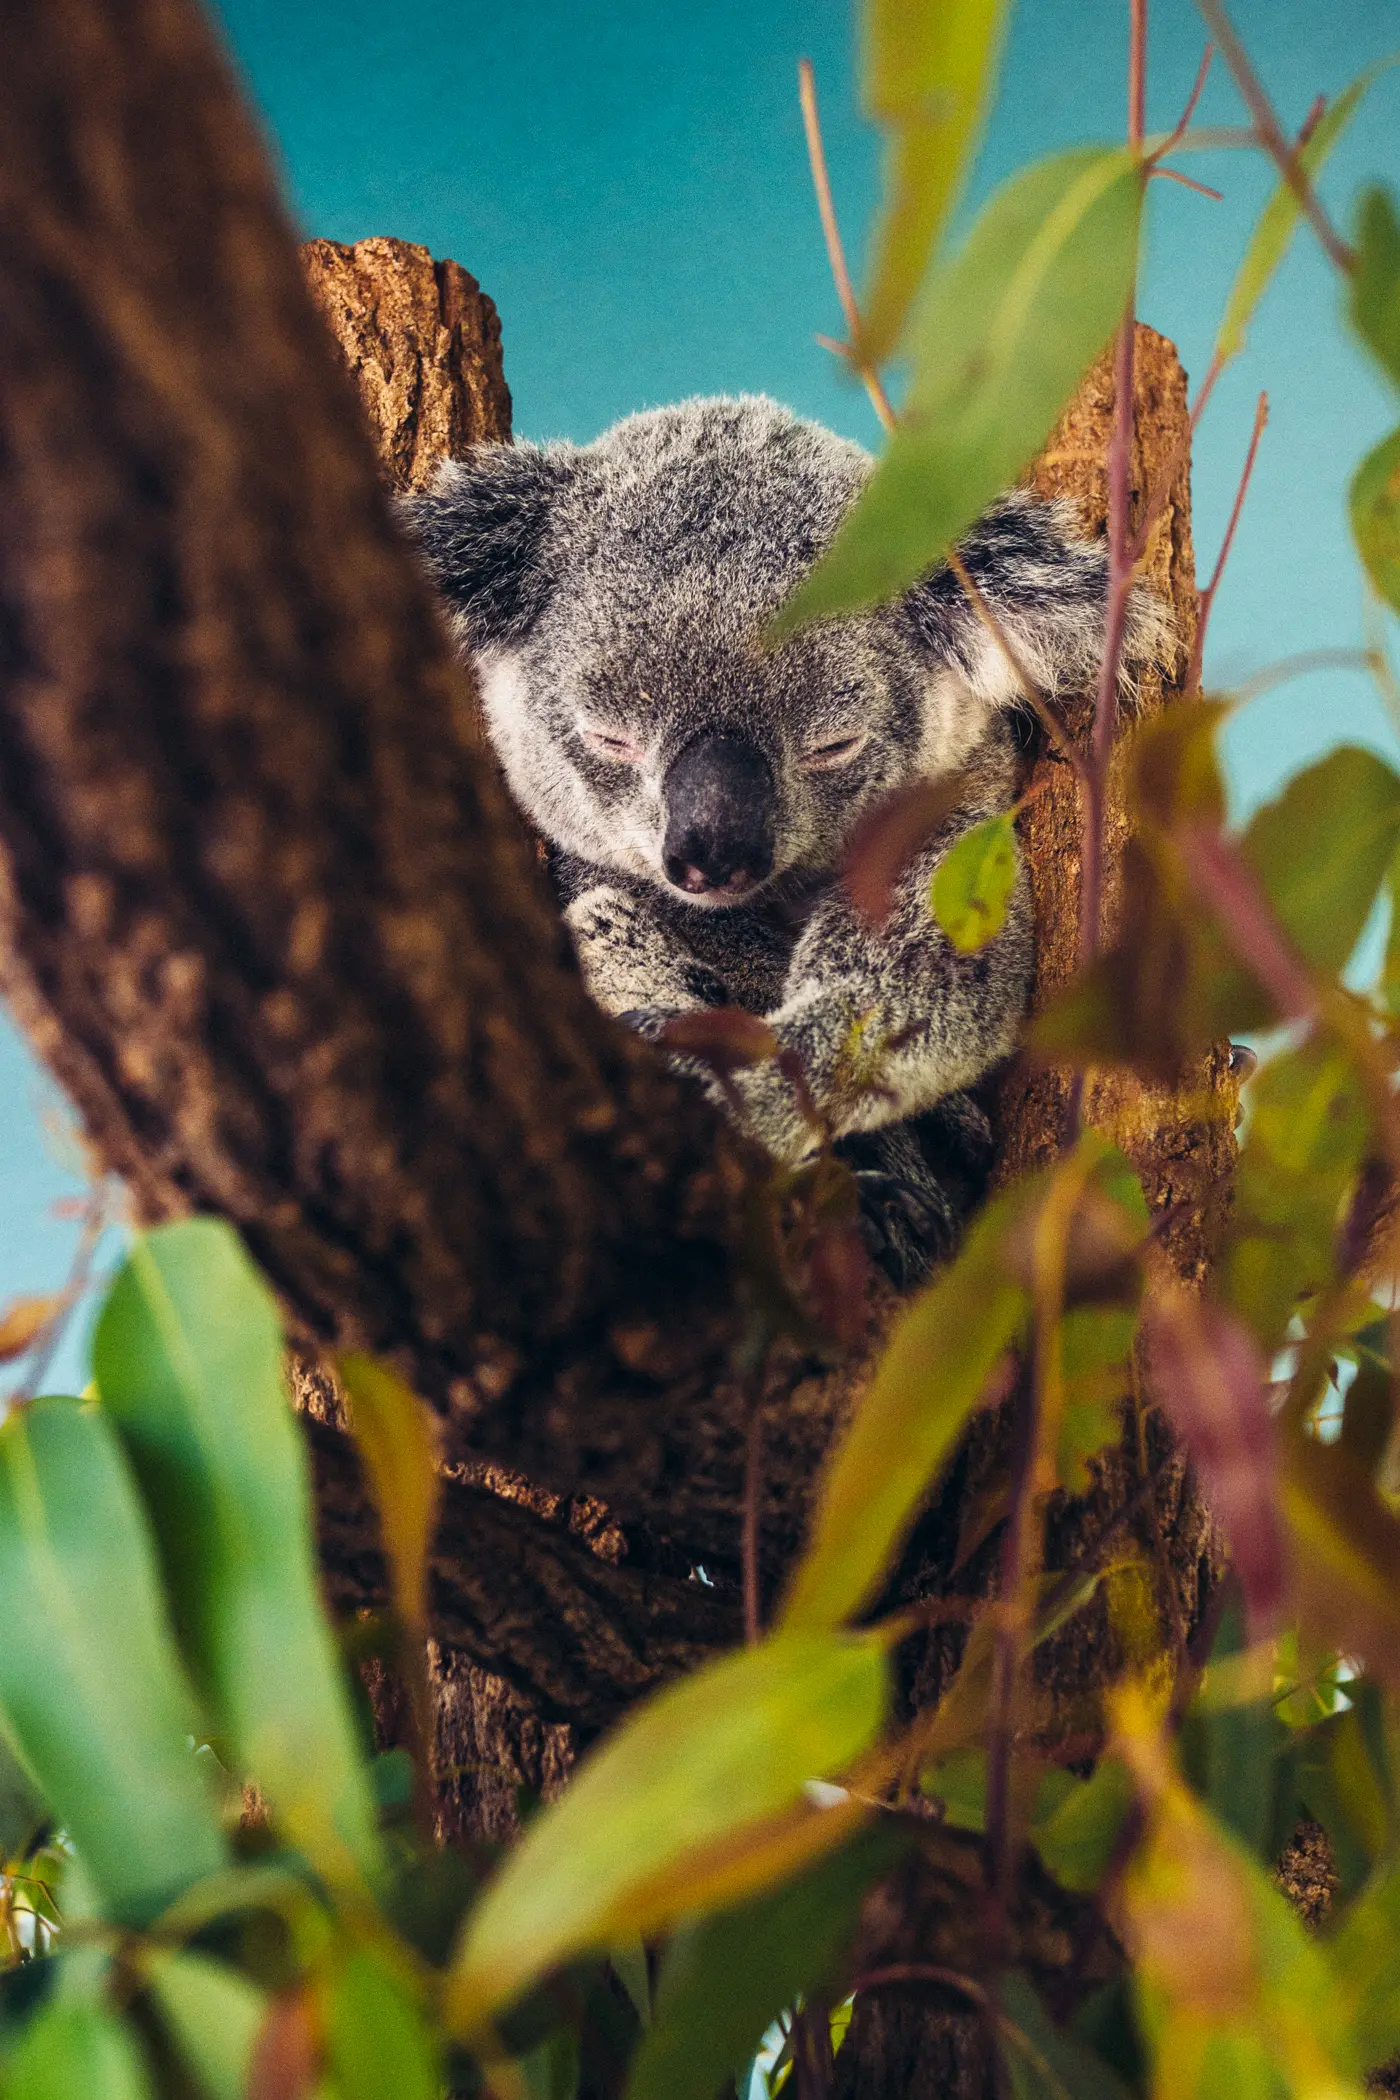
(1048,588)
(481,528)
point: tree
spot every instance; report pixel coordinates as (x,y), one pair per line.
(271,920)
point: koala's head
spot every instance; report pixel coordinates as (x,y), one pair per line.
(614,597)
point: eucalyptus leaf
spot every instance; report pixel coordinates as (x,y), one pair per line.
(1375,517)
(1269,241)
(397,1439)
(376,2037)
(928,78)
(1076,1840)
(699,1772)
(1322,847)
(1375,289)
(93,1696)
(974,882)
(214,2016)
(1004,333)
(930,1380)
(725,1980)
(189,1360)
(76,2050)
(1042,2061)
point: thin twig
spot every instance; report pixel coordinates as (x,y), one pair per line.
(1188,182)
(1006,1656)
(46,1346)
(897,1972)
(753,1474)
(836,254)
(1030,689)
(1271,135)
(1120,584)
(1198,648)
(1175,136)
(1302,665)
(1121,558)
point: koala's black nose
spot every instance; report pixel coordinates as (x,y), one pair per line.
(720,809)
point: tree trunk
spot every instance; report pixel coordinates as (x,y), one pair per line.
(268,915)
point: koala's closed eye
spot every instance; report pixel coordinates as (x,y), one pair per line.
(607,743)
(821,758)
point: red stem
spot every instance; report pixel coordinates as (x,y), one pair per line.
(1198,650)
(1272,137)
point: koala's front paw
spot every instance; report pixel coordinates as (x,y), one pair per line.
(649,1021)
(905,1231)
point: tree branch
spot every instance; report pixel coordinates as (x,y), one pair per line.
(267,912)
(522,1597)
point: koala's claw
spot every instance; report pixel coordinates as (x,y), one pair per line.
(648,1021)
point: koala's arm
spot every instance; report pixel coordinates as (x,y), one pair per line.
(630,957)
(887,1020)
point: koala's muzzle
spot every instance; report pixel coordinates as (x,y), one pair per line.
(720,817)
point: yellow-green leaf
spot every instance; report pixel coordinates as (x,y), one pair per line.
(929,1381)
(698,1770)
(928,79)
(974,881)
(214,2016)
(397,1439)
(91,1691)
(189,1360)
(1269,241)
(1004,333)
(1375,291)
(75,2050)
(1375,516)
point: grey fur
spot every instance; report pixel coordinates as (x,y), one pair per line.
(621,589)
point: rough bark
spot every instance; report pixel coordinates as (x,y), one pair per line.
(422,343)
(1182,1144)
(267,914)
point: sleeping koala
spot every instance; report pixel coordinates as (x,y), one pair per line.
(700,790)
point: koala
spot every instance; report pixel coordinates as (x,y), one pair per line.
(700,788)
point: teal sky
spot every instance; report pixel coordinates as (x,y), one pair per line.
(629,184)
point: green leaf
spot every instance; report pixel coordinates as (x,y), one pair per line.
(1096,1354)
(1076,1840)
(550,2071)
(397,1439)
(1042,2062)
(376,2038)
(1340,1788)
(653,1819)
(929,1382)
(1005,332)
(1308,1133)
(75,2050)
(1270,239)
(1375,517)
(188,1358)
(928,78)
(91,1689)
(974,881)
(23,1810)
(725,1981)
(214,2016)
(1321,850)
(1375,289)
(1390,970)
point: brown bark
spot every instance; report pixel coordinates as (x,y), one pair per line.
(1183,1147)
(266,912)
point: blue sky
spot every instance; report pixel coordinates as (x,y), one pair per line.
(629,183)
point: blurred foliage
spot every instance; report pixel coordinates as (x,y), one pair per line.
(210,1887)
